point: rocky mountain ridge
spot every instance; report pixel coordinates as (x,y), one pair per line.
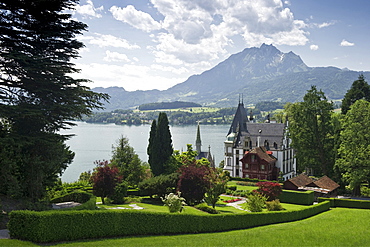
(260,74)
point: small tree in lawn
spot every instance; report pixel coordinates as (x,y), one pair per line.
(217,186)
(194,182)
(104,179)
(269,189)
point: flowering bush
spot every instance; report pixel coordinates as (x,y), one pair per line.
(269,189)
(233,200)
(175,203)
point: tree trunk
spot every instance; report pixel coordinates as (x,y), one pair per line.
(356,190)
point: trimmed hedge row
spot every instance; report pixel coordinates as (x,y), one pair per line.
(50,226)
(346,203)
(88,200)
(254,180)
(297,197)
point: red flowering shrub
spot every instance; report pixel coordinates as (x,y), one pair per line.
(105,178)
(269,189)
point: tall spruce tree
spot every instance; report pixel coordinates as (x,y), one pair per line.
(160,146)
(38,97)
(360,89)
(311,131)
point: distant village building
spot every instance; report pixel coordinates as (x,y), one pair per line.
(246,139)
(202,154)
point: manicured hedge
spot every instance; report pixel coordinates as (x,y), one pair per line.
(50,226)
(346,203)
(254,180)
(297,197)
(88,200)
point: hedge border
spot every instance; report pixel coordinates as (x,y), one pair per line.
(297,197)
(88,200)
(346,203)
(52,226)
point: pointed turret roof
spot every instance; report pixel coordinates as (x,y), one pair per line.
(240,120)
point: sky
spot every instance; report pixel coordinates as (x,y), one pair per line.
(156,44)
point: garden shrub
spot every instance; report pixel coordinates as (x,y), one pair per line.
(205,208)
(269,189)
(53,226)
(175,203)
(256,202)
(274,205)
(159,185)
(232,188)
(133,199)
(120,191)
(297,197)
(243,183)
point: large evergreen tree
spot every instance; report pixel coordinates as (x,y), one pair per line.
(128,162)
(353,154)
(38,96)
(311,131)
(360,89)
(160,146)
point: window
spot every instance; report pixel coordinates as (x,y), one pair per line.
(246,166)
(262,167)
(253,158)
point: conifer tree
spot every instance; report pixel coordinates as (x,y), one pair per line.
(360,89)
(38,96)
(160,146)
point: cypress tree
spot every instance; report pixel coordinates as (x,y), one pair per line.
(160,146)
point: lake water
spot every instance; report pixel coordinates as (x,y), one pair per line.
(95,141)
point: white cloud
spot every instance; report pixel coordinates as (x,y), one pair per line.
(325,24)
(130,77)
(314,47)
(346,43)
(115,57)
(88,10)
(135,18)
(103,40)
(195,31)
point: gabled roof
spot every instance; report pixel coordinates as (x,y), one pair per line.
(326,183)
(262,153)
(302,180)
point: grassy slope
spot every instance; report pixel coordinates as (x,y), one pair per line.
(337,227)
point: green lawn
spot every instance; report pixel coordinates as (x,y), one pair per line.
(337,227)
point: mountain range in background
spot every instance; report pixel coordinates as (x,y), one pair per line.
(259,74)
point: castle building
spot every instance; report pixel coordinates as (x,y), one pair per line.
(201,154)
(266,143)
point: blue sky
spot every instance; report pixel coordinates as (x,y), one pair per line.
(155,44)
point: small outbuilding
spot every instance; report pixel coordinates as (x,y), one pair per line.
(323,187)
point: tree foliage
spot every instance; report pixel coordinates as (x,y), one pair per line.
(38,96)
(217,185)
(105,178)
(269,189)
(360,89)
(194,182)
(311,131)
(353,154)
(128,162)
(160,147)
